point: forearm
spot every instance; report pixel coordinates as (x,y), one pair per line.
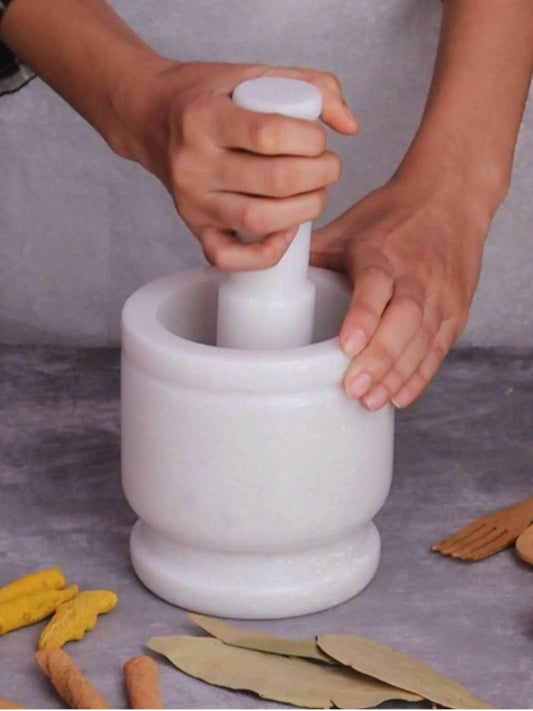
(480,84)
(86,53)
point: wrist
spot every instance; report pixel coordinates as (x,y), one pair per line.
(457,171)
(138,125)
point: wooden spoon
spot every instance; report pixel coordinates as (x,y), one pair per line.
(524,545)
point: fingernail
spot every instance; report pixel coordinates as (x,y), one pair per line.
(358,385)
(354,343)
(376,398)
(402,398)
(351,117)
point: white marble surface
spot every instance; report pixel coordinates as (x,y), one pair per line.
(251,467)
(465,448)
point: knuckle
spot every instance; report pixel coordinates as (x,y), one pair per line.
(278,180)
(419,381)
(316,143)
(416,385)
(383,357)
(193,115)
(318,204)
(411,306)
(264,134)
(207,248)
(393,380)
(331,81)
(378,276)
(335,168)
(270,253)
(251,219)
(438,353)
(459,326)
(182,167)
(220,261)
(218,257)
(365,318)
(368,315)
(451,329)
(426,335)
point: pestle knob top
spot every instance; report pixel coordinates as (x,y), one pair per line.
(280,95)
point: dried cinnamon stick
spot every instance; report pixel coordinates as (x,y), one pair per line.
(69,682)
(5,704)
(142,682)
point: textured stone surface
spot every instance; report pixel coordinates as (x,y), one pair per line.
(463,449)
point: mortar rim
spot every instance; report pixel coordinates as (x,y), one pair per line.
(168,356)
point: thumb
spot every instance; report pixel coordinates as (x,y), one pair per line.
(327,246)
(335,111)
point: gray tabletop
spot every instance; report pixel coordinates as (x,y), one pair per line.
(465,448)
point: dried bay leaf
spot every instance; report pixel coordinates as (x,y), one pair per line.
(278,678)
(394,667)
(261,642)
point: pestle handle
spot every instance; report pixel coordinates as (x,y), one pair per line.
(272,308)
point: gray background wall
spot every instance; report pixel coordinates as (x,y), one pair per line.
(80,229)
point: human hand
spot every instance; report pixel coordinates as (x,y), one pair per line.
(414,258)
(231,170)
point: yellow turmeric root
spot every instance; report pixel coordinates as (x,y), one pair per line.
(27,609)
(49,579)
(76,617)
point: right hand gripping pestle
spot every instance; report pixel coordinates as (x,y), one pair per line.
(272,308)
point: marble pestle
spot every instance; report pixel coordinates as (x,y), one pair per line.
(272,308)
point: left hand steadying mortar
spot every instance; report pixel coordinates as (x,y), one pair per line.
(413,247)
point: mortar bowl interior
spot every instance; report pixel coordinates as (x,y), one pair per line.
(169,326)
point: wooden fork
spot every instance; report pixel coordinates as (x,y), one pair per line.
(489,534)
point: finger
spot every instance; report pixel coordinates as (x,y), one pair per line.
(327,249)
(380,394)
(280,177)
(226,252)
(335,112)
(267,134)
(329,242)
(408,362)
(429,366)
(259,216)
(401,321)
(327,260)
(373,289)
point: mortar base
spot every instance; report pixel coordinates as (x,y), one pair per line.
(255,586)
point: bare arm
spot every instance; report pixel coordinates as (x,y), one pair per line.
(413,248)
(227,169)
(84,51)
(477,97)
